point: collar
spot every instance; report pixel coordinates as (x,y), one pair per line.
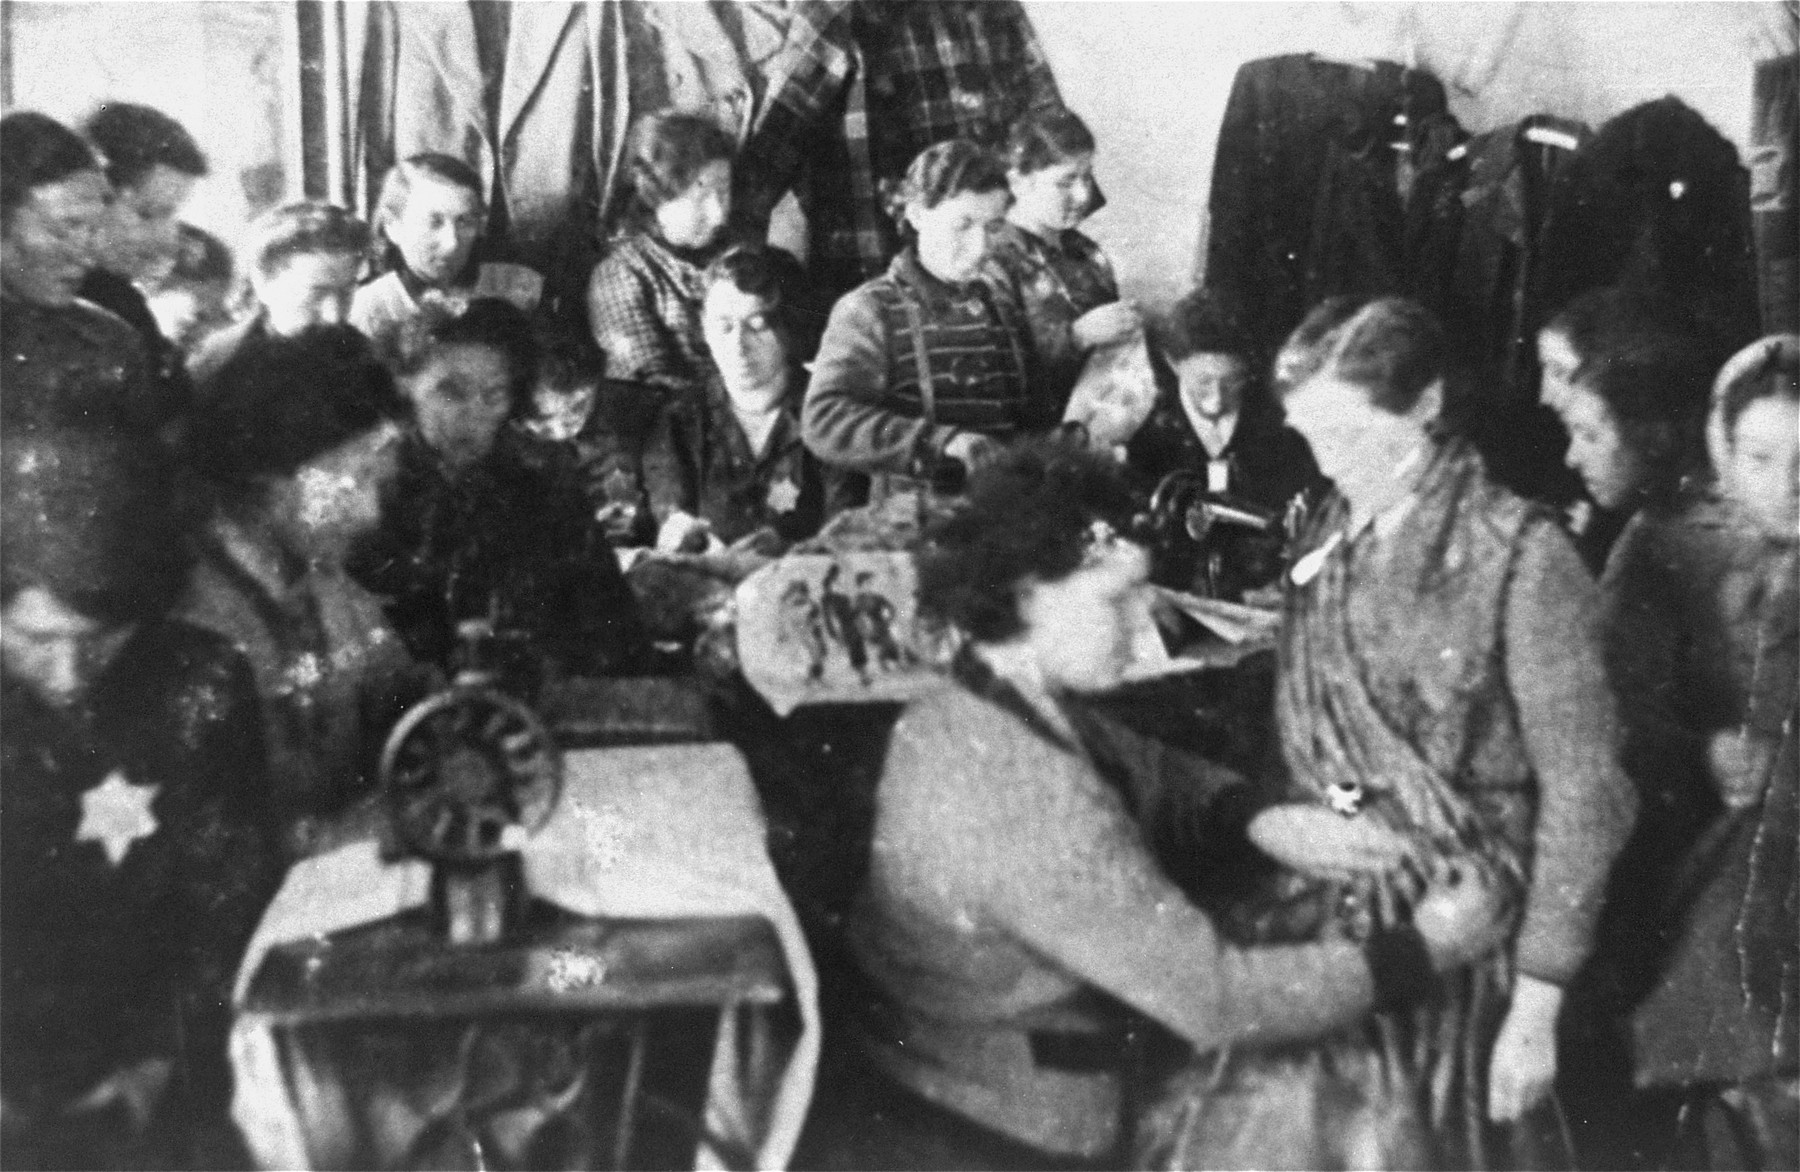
(416,286)
(906,270)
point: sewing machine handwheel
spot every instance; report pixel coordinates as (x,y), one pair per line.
(462,769)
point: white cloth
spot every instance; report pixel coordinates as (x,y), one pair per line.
(666,831)
(383,307)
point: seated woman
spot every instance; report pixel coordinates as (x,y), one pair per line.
(1071,296)
(644,297)
(134,863)
(733,466)
(1215,420)
(428,221)
(483,520)
(293,460)
(1441,675)
(67,361)
(1701,612)
(929,360)
(1013,915)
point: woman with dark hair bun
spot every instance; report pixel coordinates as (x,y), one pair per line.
(66,361)
(483,520)
(1014,925)
(1440,679)
(135,861)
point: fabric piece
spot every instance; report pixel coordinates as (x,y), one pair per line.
(813,629)
(670,831)
(1774,207)
(1285,122)
(1657,196)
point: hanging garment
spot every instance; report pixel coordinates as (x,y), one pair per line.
(1656,197)
(1295,125)
(1476,254)
(1774,215)
(859,89)
(544,136)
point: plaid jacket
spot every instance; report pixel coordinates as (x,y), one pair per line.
(644,308)
(862,88)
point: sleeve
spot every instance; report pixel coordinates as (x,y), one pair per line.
(622,315)
(1567,717)
(228,863)
(808,77)
(1040,80)
(1642,623)
(1054,860)
(610,636)
(845,421)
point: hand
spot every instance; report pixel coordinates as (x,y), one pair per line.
(137,1088)
(1524,1064)
(1106,326)
(972,448)
(1740,762)
(1464,915)
(683,533)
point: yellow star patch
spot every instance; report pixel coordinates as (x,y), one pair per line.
(116,814)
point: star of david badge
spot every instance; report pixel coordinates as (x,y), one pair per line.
(116,814)
(784,496)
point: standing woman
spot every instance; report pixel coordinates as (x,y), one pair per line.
(66,360)
(1701,608)
(929,360)
(1071,296)
(1441,674)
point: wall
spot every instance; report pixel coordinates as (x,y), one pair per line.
(1152,76)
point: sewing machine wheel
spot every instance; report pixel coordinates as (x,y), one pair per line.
(467,774)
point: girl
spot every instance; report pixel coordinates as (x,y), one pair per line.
(1071,297)
(735,463)
(483,520)
(429,221)
(929,360)
(1700,613)
(644,298)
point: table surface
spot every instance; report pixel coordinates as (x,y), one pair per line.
(555,962)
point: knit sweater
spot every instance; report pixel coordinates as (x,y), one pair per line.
(865,406)
(1008,884)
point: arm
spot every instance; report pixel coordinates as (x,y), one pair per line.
(622,316)
(1567,717)
(1067,875)
(846,421)
(1586,805)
